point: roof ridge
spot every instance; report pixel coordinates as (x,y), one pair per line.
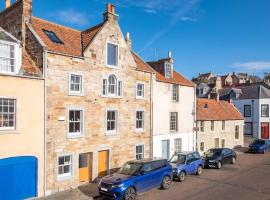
(56,24)
(93,27)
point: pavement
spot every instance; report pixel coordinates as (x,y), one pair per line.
(248,179)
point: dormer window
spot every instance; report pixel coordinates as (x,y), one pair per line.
(168,70)
(8,57)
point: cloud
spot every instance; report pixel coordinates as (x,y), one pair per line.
(188,19)
(253,66)
(72,16)
(150,11)
(181,9)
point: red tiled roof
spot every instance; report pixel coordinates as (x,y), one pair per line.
(89,34)
(141,65)
(71,38)
(177,79)
(29,67)
(210,109)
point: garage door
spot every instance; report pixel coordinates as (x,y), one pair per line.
(18,178)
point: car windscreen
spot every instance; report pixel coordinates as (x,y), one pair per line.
(213,152)
(260,142)
(178,158)
(130,168)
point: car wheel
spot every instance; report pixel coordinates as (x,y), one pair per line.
(219,165)
(199,170)
(166,183)
(233,160)
(182,176)
(130,194)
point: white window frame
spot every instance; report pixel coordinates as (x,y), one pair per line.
(15,113)
(112,132)
(80,134)
(175,93)
(65,176)
(202,126)
(176,121)
(118,94)
(17,55)
(142,153)
(171,70)
(76,93)
(143,91)
(181,144)
(223,129)
(106,54)
(143,122)
(212,127)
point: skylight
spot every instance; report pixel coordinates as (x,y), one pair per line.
(53,37)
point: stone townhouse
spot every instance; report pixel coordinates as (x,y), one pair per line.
(174,106)
(21,115)
(98,96)
(219,124)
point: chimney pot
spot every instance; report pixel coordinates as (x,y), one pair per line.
(8,3)
(108,7)
(112,9)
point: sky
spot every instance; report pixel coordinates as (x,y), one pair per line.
(222,36)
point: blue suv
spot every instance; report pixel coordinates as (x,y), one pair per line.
(259,146)
(136,177)
(186,163)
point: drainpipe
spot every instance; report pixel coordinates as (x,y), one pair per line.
(252,128)
(45,118)
(151,116)
(195,122)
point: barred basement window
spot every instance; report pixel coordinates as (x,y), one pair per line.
(7,114)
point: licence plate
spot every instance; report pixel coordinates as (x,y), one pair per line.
(104,189)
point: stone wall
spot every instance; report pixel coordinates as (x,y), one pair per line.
(93,68)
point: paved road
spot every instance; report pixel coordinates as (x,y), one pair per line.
(248,179)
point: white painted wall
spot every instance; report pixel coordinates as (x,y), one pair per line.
(255,118)
(162,106)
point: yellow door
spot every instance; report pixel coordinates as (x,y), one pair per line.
(84,168)
(103,158)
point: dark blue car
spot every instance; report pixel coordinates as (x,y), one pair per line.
(136,177)
(186,163)
(259,146)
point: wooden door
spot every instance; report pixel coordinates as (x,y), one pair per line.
(265,130)
(103,160)
(84,167)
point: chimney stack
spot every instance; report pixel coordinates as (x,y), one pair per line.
(110,15)
(128,40)
(8,3)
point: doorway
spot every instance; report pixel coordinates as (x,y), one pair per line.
(166,149)
(85,167)
(103,163)
(264,130)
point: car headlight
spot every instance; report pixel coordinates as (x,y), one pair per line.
(117,185)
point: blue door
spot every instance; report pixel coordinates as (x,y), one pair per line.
(166,149)
(18,178)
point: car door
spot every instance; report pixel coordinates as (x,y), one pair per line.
(190,164)
(157,172)
(145,180)
(227,156)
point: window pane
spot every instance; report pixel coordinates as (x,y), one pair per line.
(61,160)
(66,169)
(112,54)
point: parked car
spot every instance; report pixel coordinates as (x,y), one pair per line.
(186,163)
(219,156)
(136,177)
(259,146)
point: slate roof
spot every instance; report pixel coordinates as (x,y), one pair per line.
(210,109)
(244,91)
